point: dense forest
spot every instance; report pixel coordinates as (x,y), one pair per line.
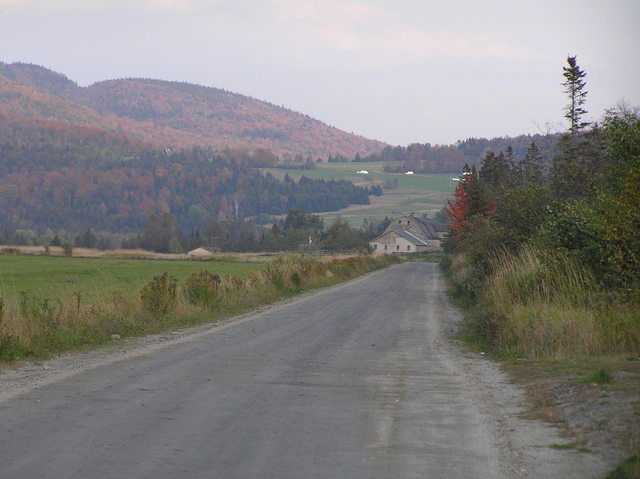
(62,177)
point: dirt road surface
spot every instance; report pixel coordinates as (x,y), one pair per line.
(360,380)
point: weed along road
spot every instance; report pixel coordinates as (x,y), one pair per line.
(355,381)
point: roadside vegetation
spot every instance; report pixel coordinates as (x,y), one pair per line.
(546,260)
(35,325)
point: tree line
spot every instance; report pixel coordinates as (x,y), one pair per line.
(297,231)
(428,158)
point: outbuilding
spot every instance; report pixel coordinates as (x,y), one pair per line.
(203,252)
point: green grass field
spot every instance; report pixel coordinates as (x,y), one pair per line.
(59,278)
(415,193)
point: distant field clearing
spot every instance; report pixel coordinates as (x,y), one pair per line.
(415,193)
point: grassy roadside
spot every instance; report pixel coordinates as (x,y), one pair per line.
(574,349)
(38,328)
(593,402)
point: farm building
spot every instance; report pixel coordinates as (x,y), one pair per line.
(410,234)
(202,252)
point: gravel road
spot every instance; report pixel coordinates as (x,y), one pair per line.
(355,381)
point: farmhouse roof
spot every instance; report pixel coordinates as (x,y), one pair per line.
(421,227)
(409,237)
(427,228)
(437,225)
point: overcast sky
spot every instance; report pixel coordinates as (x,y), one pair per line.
(400,71)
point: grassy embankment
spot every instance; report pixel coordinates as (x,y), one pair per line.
(540,305)
(49,305)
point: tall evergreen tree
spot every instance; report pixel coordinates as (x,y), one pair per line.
(531,167)
(496,170)
(579,161)
(509,157)
(574,88)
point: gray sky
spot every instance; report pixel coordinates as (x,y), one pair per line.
(400,71)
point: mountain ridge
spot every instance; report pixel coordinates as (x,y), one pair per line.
(174,114)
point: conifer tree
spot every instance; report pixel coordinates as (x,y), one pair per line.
(574,88)
(578,162)
(531,167)
(496,170)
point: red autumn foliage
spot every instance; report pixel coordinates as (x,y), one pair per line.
(458,209)
(469,200)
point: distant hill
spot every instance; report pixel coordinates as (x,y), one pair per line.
(29,102)
(173,114)
(40,78)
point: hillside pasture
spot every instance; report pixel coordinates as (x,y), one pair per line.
(418,193)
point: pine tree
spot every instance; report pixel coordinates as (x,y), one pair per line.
(510,165)
(509,157)
(574,88)
(531,168)
(497,170)
(578,161)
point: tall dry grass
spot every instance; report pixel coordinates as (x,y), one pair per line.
(532,276)
(544,305)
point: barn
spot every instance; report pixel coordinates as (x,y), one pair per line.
(410,234)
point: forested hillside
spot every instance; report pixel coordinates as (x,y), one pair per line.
(58,176)
(173,114)
(113,156)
